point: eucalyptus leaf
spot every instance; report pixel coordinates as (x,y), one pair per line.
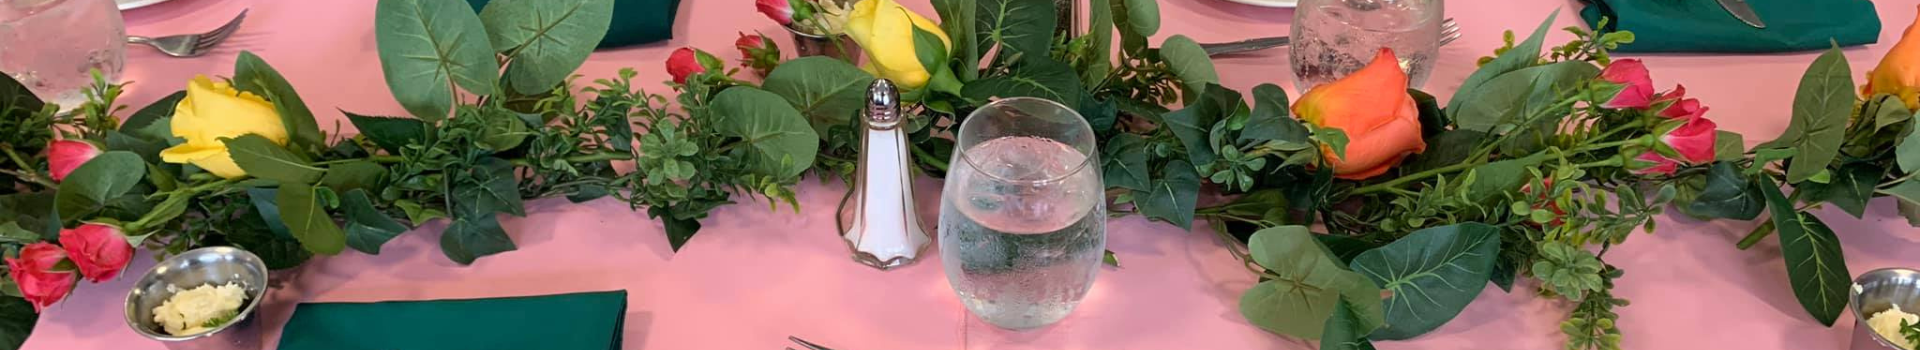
(1816,267)
(367,227)
(1432,273)
(1136,20)
(89,187)
(262,158)
(306,218)
(1189,62)
(1821,107)
(426,47)
(250,73)
(827,91)
(1526,54)
(1017,26)
(778,140)
(1172,196)
(547,39)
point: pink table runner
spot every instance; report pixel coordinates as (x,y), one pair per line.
(755,276)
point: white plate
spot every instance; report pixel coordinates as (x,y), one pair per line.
(134,4)
(1262,3)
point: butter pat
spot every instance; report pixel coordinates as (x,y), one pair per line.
(188,311)
(1887,325)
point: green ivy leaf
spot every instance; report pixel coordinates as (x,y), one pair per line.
(1189,62)
(1433,274)
(1271,119)
(391,134)
(1126,162)
(1728,195)
(1526,54)
(1034,77)
(106,176)
(473,235)
(306,218)
(1018,26)
(1821,107)
(1849,189)
(17,319)
(547,39)
(250,73)
(1172,197)
(779,141)
(488,187)
(679,230)
(1889,111)
(1729,146)
(424,45)
(367,227)
(262,158)
(1307,286)
(828,91)
(1816,268)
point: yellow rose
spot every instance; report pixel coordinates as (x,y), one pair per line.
(884,30)
(1899,71)
(214,110)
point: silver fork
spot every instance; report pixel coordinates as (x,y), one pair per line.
(804,343)
(1449,31)
(191,45)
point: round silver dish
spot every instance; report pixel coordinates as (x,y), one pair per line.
(1877,291)
(211,265)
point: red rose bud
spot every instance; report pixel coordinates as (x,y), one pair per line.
(1653,163)
(757,52)
(683,63)
(100,250)
(1690,140)
(41,278)
(65,155)
(781,11)
(1634,83)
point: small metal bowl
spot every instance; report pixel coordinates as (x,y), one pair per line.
(211,265)
(1877,291)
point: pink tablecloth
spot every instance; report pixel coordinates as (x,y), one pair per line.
(754,276)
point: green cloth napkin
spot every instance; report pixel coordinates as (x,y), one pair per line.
(635,22)
(1704,26)
(579,321)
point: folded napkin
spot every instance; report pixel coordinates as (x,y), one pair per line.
(635,22)
(579,321)
(1704,26)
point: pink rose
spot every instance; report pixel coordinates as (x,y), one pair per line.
(1636,85)
(1653,163)
(683,63)
(780,11)
(41,278)
(1691,140)
(65,155)
(100,250)
(757,52)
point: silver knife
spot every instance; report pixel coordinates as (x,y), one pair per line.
(1216,49)
(1744,12)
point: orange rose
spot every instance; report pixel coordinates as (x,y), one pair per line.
(1899,71)
(1373,108)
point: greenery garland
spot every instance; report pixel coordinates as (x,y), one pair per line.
(1530,170)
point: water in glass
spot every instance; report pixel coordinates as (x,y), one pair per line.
(1333,38)
(51,45)
(1023,219)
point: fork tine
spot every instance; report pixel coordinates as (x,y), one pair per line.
(207,40)
(1449,39)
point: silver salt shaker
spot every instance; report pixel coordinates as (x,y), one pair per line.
(885,230)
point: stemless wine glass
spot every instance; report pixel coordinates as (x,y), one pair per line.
(1023,217)
(1333,38)
(51,45)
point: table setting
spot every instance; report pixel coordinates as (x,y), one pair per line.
(938,174)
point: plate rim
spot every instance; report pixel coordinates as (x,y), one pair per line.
(1284,4)
(129,5)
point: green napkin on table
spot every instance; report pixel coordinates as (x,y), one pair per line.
(579,321)
(635,22)
(1704,26)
